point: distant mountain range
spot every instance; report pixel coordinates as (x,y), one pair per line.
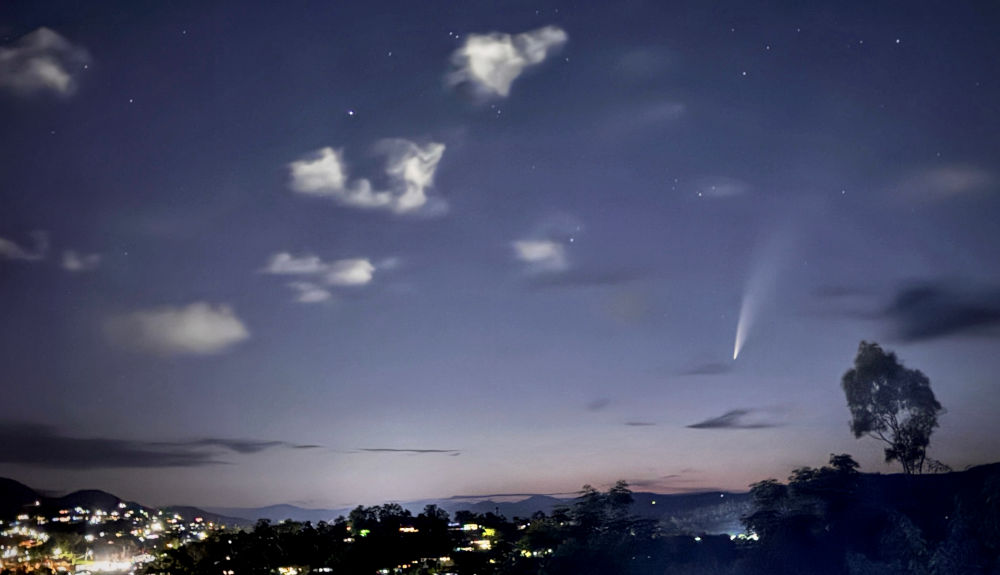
(706,512)
(711,512)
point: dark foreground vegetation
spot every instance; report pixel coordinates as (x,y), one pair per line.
(826,520)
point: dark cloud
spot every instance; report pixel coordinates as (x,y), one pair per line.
(237,445)
(491,495)
(639,423)
(932,310)
(45,446)
(598,404)
(713,368)
(654,482)
(451,452)
(840,292)
(735,419)
(582,278)
(680,481)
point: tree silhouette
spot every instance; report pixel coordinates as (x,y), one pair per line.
(892,404)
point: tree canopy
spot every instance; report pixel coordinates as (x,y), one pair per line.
(892,404)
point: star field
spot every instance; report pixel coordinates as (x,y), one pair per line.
(460,248)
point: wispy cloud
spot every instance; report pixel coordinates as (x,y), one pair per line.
(639,423)
(541,255)
(644,63)
(712,368)
(598,404)
(410,169)
(308,292)
(927,311)
(643,117)
(45,446)
(196,329)
(10,250)
(737,419)
(76,262)
(284,263)
(237,445)
(583,278)
(490,63)
(42,61)
(946,182)
(720,187)
(410,451)
(834,292)
(490,495)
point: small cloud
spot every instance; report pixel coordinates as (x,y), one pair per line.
(196,329)
(308,292)
(411,451)
(713,368)
(946,182)
(41,61)
(736,419)
(720,187)
(491,62)
(284,263)
(74,262)
(351,272)
(541,255)
(927,311)
(639,423)
(598,404)
(12,251)
(340,273)
(410,168)
(388,264)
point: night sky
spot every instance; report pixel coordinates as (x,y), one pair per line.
(331,253)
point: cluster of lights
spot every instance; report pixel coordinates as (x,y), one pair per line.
(122,523)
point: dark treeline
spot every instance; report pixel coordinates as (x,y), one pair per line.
(830,519)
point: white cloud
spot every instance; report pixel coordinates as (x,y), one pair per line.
(12,251)
(492,62)
(542,255)
(321,173)
(284,263)
(74,262)
(345,272)
(41,61)
(352,272)
(410,169)
(196,329)
(308,292)
(947,182)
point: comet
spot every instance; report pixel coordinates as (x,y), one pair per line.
(760,285)
(743,324)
